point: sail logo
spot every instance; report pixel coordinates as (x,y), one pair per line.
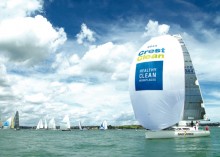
(157,53)
(149,76)
(6,123)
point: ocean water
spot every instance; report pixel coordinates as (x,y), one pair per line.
(109,143)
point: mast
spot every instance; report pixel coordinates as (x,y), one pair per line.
(193,105)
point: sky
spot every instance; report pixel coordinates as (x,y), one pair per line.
(73,57)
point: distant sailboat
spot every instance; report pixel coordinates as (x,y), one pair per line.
(104,125)
(40,125)
(65,124)
(52,124)
(12,122)
(45,124)
(164,89)
(80,126)
(9,123)
(16,121)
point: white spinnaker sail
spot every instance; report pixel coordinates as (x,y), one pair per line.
(157,83)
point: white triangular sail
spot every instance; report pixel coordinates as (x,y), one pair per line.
(80,126)
(45,124)
(157,83)
(65,124)
(40,125)
(52,124)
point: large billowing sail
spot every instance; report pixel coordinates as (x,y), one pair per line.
(194,108)
(157,83)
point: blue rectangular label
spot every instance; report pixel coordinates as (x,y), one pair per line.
(149,76)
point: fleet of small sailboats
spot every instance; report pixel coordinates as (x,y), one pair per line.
(13,123)
(164,89)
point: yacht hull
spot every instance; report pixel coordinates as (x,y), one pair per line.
(176,134)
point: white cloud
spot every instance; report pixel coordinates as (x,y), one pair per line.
(27,39)
(109,58)
(154,29)
(85,34)
(81,101)
(106,62)
(19,8)
(36,98)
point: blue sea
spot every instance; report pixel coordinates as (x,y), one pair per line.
(109,143)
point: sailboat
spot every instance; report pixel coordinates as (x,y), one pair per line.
(80,126)
(52,124)
(65,124)
(45,124)
(8,124)
(40,125)
(164,89)
(103,126)
(16,121)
